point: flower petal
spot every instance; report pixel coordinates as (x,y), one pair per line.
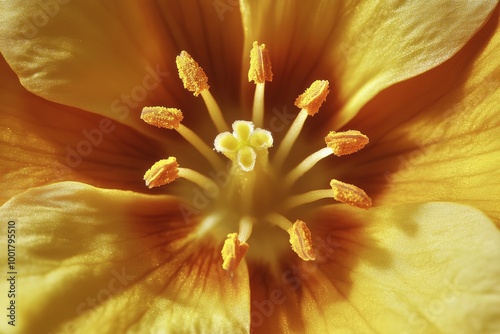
(447,150)
(110,58)
(418,268)
(111,261)
(360,47)
(43,142)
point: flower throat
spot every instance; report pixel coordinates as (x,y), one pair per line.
(258,189)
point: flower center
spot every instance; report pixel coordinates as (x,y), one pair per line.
(253,191)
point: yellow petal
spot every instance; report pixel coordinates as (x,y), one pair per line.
(447,150)
(113,59)
(109,261)
(42,142)
(360,47)
(419,268)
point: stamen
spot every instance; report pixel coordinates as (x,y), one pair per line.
(260,65)
(350,194)
(308,197)
(233,252)
(279,220)
(196,81)
(301,241)
(309,101)
(214,111)
(300,236)
(258,104)
(166,171)
(162,172)
(197,178)
(170,118)
(245,229)
(346,142)
(259,72)
(313,97)
(340,191)
(338,143)
(201,146)
(161,117)
(244,144)
(306,165)
(206,224)
(192,75)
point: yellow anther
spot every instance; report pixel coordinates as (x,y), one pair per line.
(167,118)
(170,118)
(162,172)
(233,252)
(313,97)
(346,142)
(260,71)
(195,80)
(309,102)
(350,194)
(301,241)
(260,64)
(191,74)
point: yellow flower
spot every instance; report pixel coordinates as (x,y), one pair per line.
(96,251)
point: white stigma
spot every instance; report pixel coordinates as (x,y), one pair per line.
(244,144)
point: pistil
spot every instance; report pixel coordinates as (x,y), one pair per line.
(244,145)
